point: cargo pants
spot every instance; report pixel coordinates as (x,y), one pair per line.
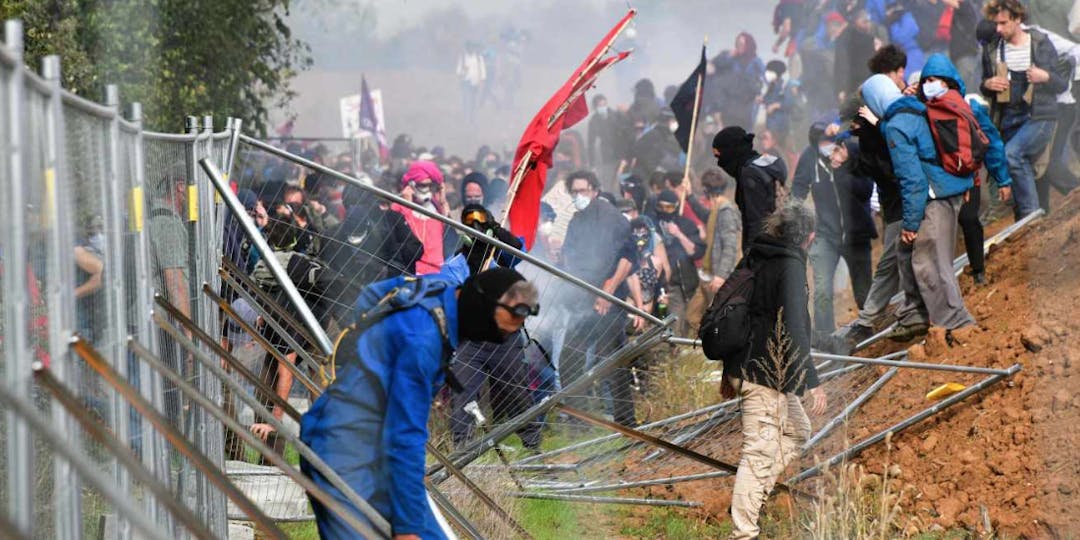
(775,427)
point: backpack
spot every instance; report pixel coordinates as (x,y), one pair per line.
(960,142)
(380,300)
(262,276)
(725,327)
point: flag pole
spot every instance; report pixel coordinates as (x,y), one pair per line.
(693,131)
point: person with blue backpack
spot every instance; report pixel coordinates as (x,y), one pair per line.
(370,425)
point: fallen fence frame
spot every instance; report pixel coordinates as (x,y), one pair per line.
(859,447)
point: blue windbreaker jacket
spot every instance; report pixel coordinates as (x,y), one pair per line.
(370,425)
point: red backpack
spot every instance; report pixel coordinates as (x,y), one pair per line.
(961,143)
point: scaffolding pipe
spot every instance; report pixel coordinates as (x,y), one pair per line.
(646,483)
(604,500)
(903,425)
(267,254)
(915,365)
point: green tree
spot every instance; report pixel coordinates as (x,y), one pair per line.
(176,57)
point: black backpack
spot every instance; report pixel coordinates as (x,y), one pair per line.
(725,327)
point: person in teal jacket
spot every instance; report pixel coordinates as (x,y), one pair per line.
(931,206)
(940,68)
(370,425)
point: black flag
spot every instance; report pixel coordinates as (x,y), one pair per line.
(683,102)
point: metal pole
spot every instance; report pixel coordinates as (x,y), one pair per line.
(852,407)
(463,229)
(478,446)
(444,504)
(57,180)
(115,291)
(272,263)
(475,489)
(670,480)
(86,469)
(209,471)
(604,500)
(20,464)
(234,126)
(122,452)
(155,454)
(904,424)
(915,365)
(278,461)
(380,523)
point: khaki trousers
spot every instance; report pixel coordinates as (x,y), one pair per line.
(775,427)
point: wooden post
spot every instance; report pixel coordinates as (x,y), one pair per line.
(693,131)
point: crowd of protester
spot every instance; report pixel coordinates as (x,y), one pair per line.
(842,115)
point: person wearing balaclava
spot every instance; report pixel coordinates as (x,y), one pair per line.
(473,188)
(370,425)
(422,184)
(501,365)
(759,179)
(931,205)
(684,246)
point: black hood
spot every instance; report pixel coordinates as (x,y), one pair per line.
(478,298)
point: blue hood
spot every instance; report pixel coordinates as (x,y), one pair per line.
(879,92)
(939,65)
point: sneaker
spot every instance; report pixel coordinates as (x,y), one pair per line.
(905,333)
(858,333)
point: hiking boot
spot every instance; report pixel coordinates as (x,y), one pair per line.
(979,278)
(904,333)
(858,333)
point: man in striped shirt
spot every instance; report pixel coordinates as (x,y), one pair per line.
(1021,79)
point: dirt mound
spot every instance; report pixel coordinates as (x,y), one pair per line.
(1010,450)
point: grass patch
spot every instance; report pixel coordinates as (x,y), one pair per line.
(299,530)
(554,520)
(671,523)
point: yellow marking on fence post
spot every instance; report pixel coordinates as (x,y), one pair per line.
(217,196)
(50,196)
(135,207)
(193,202)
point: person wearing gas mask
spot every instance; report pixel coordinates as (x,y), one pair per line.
(599,250)
(845,225)
(371,423)
(759,179)
(422,184)
(477,252)
(502,365)
(684,246)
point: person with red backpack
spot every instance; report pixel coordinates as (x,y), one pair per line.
(932,185)
(942,89)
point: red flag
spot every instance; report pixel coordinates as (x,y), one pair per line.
(564,109)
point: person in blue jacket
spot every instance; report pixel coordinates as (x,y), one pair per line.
(931,205)
(943,76)
(370,425)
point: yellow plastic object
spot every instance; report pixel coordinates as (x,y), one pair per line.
(50,195)
(193,202)
(944,391)
(135,209)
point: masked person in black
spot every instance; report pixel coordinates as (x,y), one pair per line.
(759,179)
(684,245)
(476,251)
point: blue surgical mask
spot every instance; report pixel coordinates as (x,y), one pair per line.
(934,89)
(826,149)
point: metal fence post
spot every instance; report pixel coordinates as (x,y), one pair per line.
(61,298)
(115,281)
(153,444)
(17,373)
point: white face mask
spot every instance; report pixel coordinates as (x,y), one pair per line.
(673,126)
(827,149)
(934,89)
(546,228)
(421,197)
(581,202)
(770,76)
